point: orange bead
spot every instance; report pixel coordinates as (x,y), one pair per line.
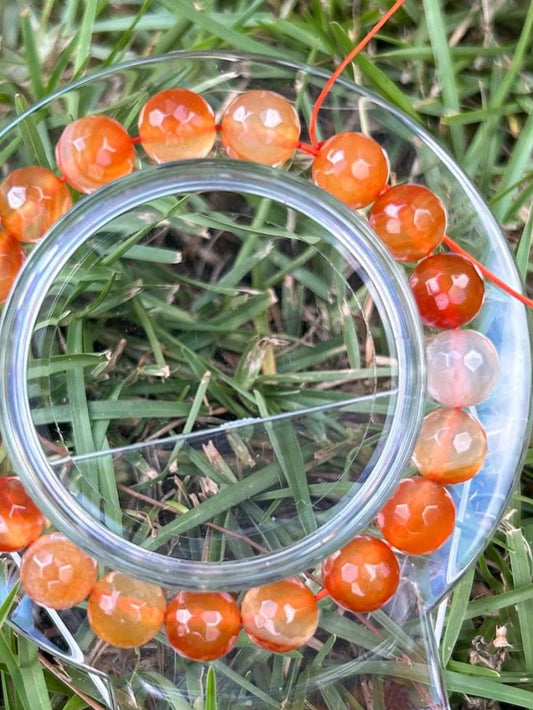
(261,126)
(202,626)
(363,575)
(31,201)
(281,616)
(55,573)
(125,612)
(21,522)
(176,124)
(11,259)
(410,220)
(353,167)
(93,151)
(419,516)
(447,289)
(451,446)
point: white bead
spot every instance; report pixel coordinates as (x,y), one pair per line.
(462,367)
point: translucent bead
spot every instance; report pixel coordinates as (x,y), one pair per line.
(363,575)
(451,446)
(11,259)
(125,612)
(410,220)
(281,616)
(202,626)
(447,289)
(93,151)
(55,573)
(353,167)
(31,201)
(419,516)
(21,522)
(260,126)
(462,367)
(176,124)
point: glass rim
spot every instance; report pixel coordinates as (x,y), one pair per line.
(347,230)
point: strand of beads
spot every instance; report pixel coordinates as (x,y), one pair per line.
(462,364)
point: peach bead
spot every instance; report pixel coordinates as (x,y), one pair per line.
(281,616)
(419,516)
(31,201)
(353,167)
(55,573)
(125,612)
(363,575)
(447,289)
(93,151)
(410,220)
(176,124)
(260,126)
(11,259)
(462,367)
(21,522)
(202,626)
(451,446)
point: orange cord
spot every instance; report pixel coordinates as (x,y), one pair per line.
(338,71)
(322,594)
(486,272)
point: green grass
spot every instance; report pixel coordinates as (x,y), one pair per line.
(464,70)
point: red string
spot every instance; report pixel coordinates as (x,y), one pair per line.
(322,594)
(307,148)
(486,272)
(136,139)
(338,71)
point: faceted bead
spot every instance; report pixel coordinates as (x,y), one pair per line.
(410,220)
(31,201)
(447,289)
(55,573)
(353,167)
(462,367)
(451,446)
(11,258)
(93,151)
(281,616)
(419,516)
(21,522)
(125,612)
(176,124)
(260,126)
(202,626)
(363,575)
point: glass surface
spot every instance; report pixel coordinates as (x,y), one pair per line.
(229,476)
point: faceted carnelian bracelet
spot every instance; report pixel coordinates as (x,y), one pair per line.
(262,126)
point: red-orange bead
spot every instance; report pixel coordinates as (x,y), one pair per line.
(11,259)
(451,446)
(55,573)
(125,612)
(202,626)
(31,200)
(176,124)
(281,616)
(260,126)
(447,289)
(363,575)
(93,151)
(353,167)
(21,522)
(410,220)
(419,516)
